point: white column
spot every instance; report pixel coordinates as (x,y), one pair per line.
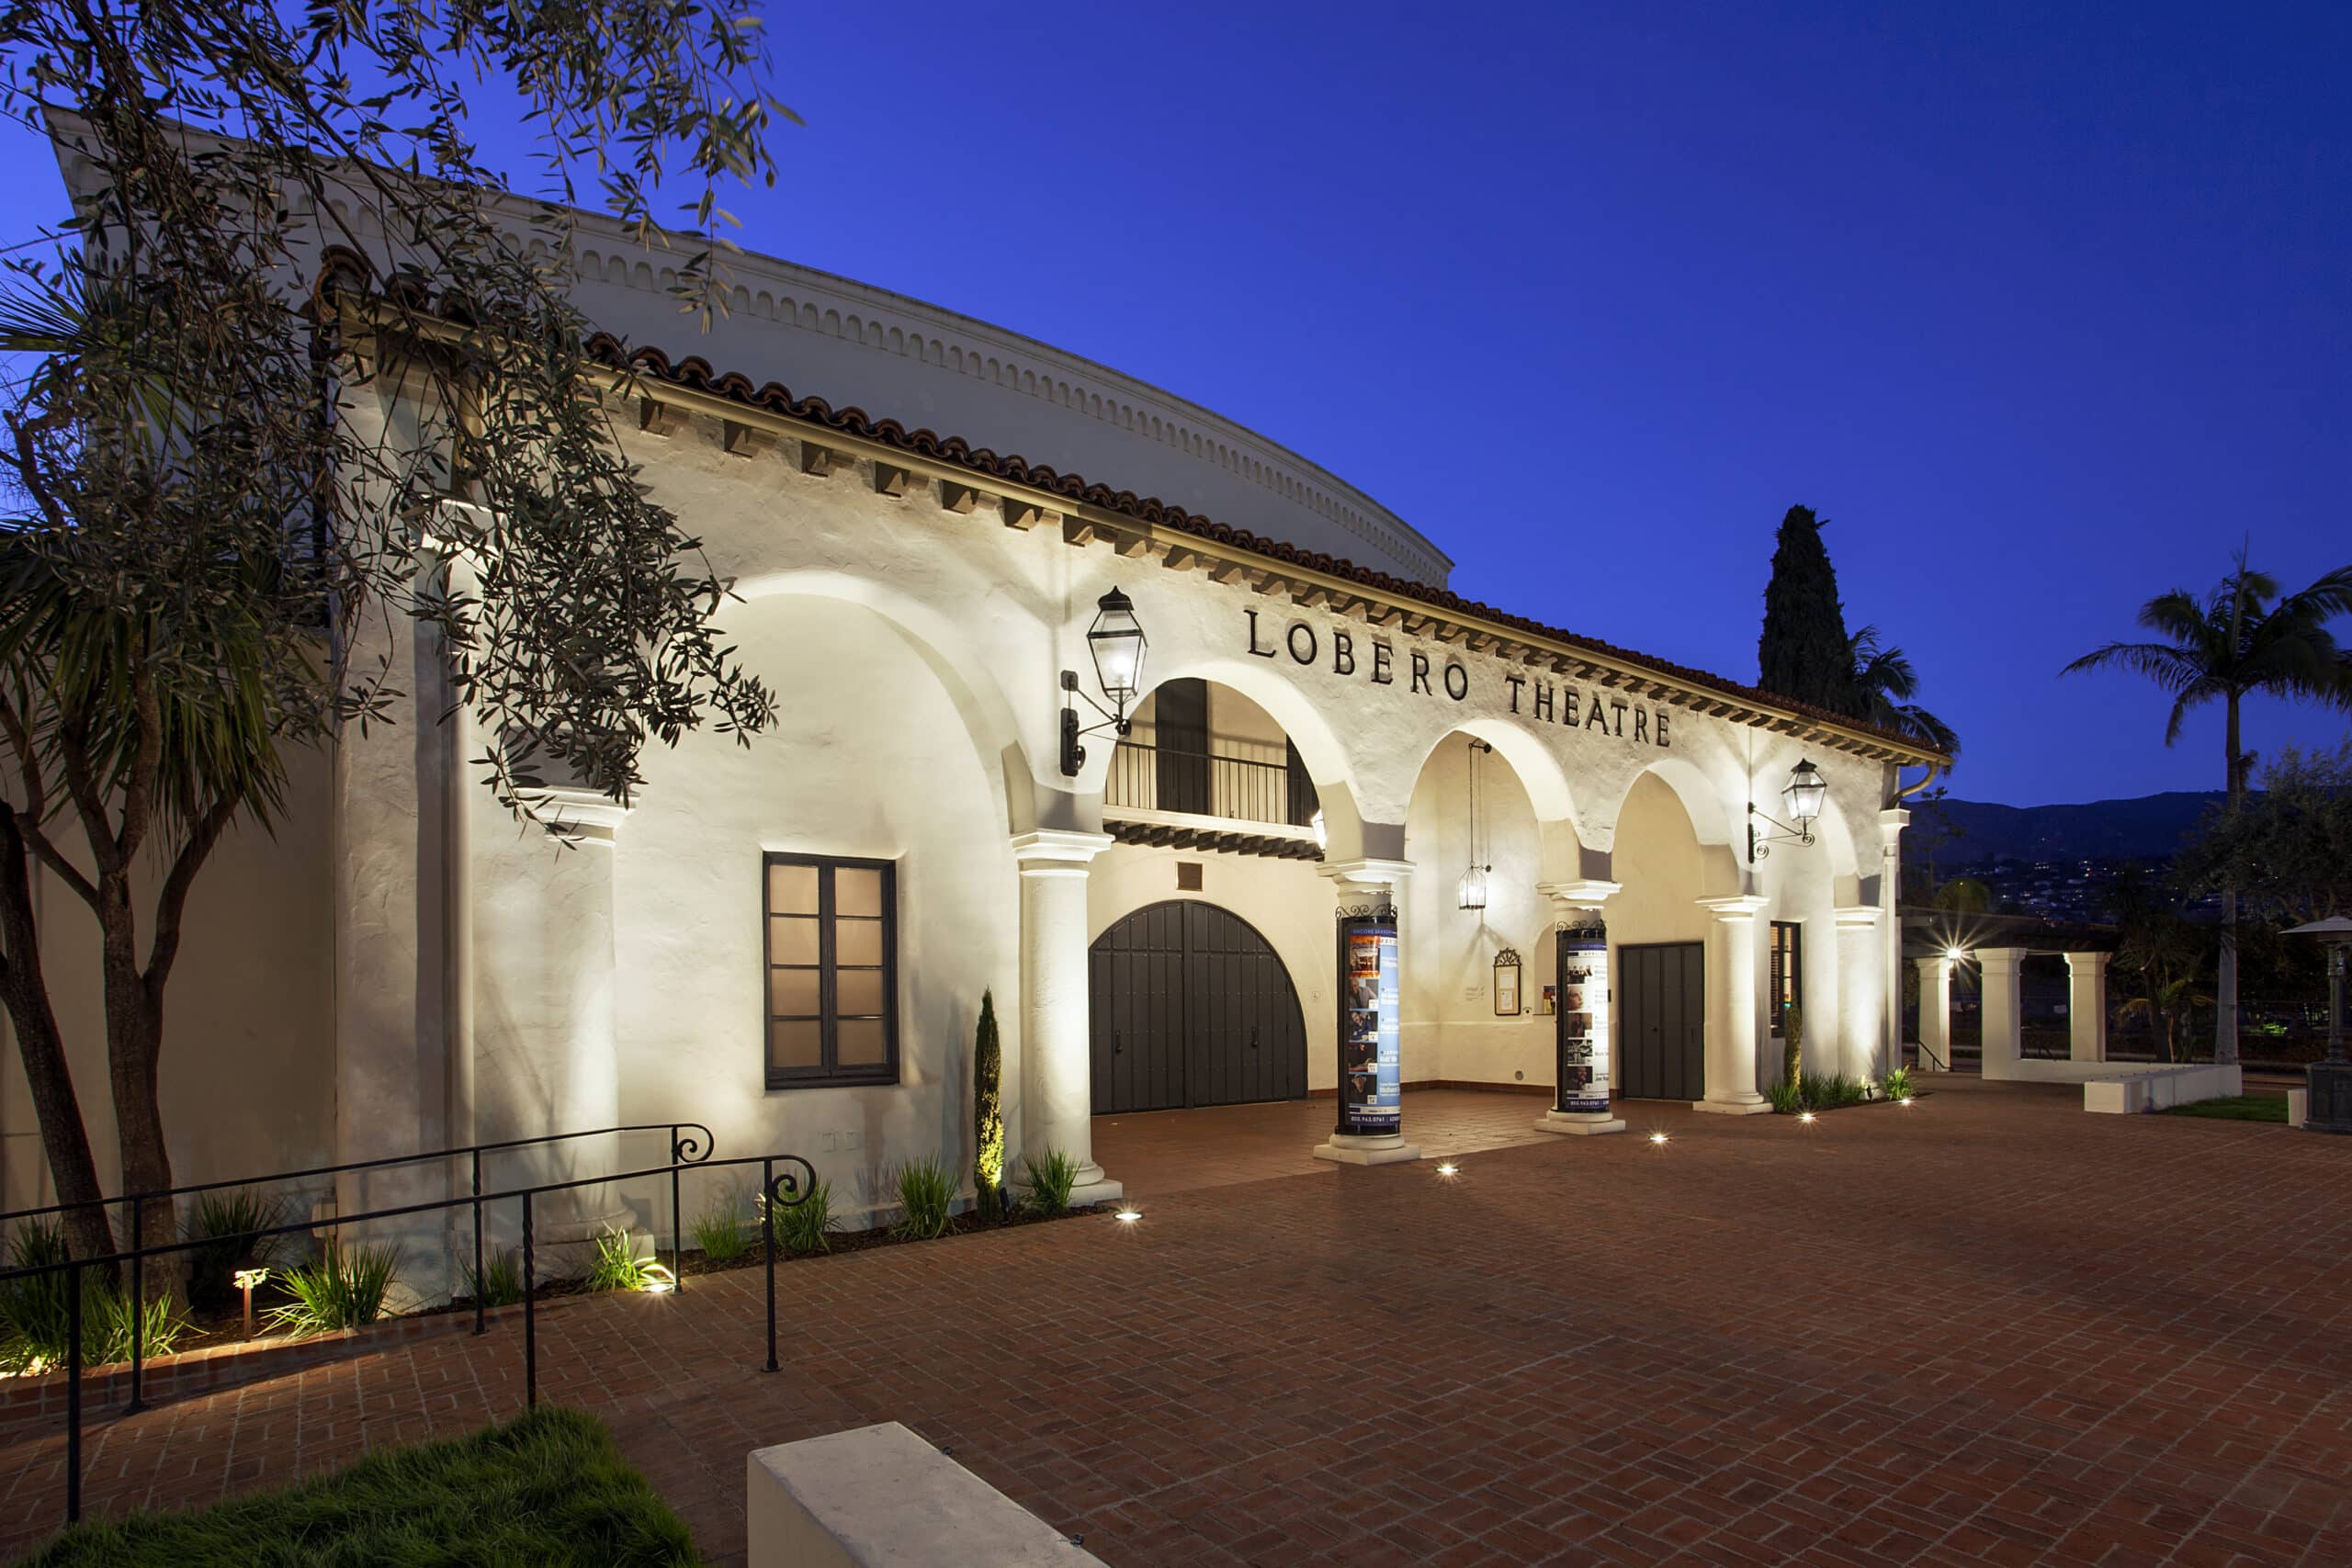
(1891,823)
(1570,899)
(1058,1091)
(2003,1010)
(1935,1013)
(1861,1035)
(2086,1006)
(1732,1002)
(546,1055)
(1374,884)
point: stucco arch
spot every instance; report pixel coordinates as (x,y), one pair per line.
(957,665)
(1327,758)
(1542,779)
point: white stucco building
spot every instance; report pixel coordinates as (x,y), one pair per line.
(789,942)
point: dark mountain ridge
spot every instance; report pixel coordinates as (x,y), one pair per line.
(1971,832)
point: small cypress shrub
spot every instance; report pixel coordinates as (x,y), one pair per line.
(1793,1047)
(988,1113)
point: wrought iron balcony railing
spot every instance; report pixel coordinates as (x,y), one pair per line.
(1209,783)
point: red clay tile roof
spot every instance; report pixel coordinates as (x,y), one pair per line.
(696,373)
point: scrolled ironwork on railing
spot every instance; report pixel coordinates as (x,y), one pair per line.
(684,1150)
(784,1188)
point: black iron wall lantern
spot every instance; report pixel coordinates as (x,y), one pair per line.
(1116,644)
(1802,796)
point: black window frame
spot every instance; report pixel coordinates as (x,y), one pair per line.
(1787,973)
(829,1073)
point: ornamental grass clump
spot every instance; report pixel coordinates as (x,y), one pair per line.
(1051,1181)
(618,1267)
(723,1235)
(345,1289)
(225,1224)
(1896,1085)
(805,1228)
(926,1195)
(36,1311)
(501,1282)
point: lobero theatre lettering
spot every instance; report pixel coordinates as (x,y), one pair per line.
(1590,712)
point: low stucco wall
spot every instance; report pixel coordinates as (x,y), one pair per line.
(2124,1087)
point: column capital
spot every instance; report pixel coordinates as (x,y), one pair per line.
(1590,893)
(1057,852)
(1929,964)
(582,815)
(1388,874)
(1998,960)
(2088,963)
(1894,818)
(1737,906)
(1855,917)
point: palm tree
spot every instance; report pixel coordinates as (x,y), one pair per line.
(2240,638)
(1884,684)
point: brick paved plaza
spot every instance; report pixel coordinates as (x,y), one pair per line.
(1989,1328)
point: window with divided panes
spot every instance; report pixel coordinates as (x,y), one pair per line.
(833,970)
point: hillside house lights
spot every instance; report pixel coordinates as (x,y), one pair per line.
(1116,644)
(1802,797)
(1474,881)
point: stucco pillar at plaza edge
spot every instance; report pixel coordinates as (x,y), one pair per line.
(1570,902)
(1732,1004)
(1891,823)
(1369,885)
(546,1054)
(1861,1033)
(2086,1006)
(1935,1013)
(1057,1104)
(2002,1000)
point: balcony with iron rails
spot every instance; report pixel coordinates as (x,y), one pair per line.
(1216,800)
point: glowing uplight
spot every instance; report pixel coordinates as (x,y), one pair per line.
(659,1280)
(1449,1169)
(1658,1140)
(1904,1100)
(1129,1216)
(1807,1117)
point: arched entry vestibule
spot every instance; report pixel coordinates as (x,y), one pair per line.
(1191,1006)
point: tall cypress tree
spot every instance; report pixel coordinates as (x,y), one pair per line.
(1805,652)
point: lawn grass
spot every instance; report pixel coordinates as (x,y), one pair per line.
(2236,1107)
(547,1490)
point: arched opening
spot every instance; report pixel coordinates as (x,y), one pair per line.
(1473,819)
(1200,749)
(1658,939)
(1191,1006)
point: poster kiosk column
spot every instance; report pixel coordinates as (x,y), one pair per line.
(1369,1127)
(1580,1029)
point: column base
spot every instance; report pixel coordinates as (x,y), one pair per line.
(1091,1187)
(2328,1097)
(1380,1148)
(1579,1122)
(1759,1106)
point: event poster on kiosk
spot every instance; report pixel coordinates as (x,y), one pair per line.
(1370,1100)
(1582,1020)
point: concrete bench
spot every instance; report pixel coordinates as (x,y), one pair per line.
(2159,1089)
(881,1494)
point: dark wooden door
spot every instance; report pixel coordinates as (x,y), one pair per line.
(1192,1007)
(1662,1021)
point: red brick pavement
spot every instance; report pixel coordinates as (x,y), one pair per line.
(1989,1328)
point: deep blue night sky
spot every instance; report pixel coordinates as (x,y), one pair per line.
(2045,313)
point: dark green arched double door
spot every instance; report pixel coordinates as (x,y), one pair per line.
(1192,1007)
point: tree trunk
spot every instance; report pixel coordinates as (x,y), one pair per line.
(2225,989)
(134,1033)
(41,1047)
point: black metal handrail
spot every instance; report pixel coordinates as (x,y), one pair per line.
(684,1151)
(1206,784)
(788,1190)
